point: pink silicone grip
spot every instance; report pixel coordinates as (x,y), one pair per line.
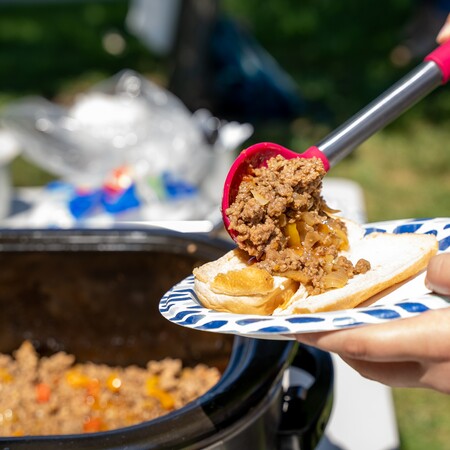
(441,56)
(315,152)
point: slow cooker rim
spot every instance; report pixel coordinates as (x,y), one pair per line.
(108,239)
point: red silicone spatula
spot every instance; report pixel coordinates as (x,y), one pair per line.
(432,72)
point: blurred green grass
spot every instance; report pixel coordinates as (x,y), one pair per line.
(403,169)
(423,419)
(403,172)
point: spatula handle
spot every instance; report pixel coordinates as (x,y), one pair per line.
(434,71)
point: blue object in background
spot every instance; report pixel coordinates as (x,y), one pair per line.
(114,202)
(82,203)
(176,188)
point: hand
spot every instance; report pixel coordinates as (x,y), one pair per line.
(444,34)
(411,352)
(438,274)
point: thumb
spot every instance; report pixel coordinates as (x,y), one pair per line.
(438,274)
(444,34)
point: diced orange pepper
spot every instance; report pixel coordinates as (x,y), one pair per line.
(292,235)
(92,424)
(151,382)
(43,392)
(5,376)
(324,228)
(77,379)
(93,387)
(166,400)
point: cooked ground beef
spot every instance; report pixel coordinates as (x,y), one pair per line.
(54,395)
(272,196)
(282,220)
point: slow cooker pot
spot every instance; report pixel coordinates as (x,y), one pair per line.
(95,294)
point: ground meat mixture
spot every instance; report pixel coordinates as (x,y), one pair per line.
(55,395)
(283,222)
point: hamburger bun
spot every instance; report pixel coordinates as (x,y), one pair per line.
(393,258)
(234,284)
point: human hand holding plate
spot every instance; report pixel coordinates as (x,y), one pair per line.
(407,353)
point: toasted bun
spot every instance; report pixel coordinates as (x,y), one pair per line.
(393,258)
(247,300)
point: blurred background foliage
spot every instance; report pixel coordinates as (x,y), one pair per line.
(340,55)
(54,48)
(337,51)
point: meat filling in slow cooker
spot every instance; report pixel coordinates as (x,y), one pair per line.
(283,222)
(55,395)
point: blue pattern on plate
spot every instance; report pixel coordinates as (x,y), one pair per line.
(344,321)
(166,308)
(373,230)
(213,325)
(180,295)
(349,325)
(408,228)
(191,320)
(274,330)
(444,244)
(304,319)
(383,313)
(181,305)
(181,315)
(413,307)
(245,322)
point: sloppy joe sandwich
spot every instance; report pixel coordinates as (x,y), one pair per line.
(295,255)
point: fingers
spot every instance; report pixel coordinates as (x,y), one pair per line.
(369,343)
(444,34)
(394,374)
(405,374)
(397,341)
(437,376)
(438,274)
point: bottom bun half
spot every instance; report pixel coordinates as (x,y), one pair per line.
(264,303)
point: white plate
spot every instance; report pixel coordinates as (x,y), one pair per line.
(181,306)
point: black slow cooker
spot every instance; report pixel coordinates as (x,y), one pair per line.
(95,294)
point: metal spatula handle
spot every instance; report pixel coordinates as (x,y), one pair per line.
(433,72)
